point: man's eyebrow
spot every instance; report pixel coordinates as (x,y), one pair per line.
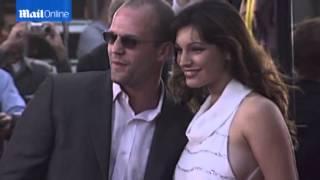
(128,35)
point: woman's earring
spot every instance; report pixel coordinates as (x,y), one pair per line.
(227,60)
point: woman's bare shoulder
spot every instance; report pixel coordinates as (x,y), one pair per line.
(257,111)
(255,105)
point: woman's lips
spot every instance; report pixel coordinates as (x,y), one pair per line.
(190,73)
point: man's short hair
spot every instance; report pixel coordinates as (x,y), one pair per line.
(113,7)
(163,13)
(306,48)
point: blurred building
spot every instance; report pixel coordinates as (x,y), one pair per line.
(86,11)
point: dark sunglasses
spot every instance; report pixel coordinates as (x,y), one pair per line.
(127,41)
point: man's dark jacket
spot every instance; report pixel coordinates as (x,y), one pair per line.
(307,116)
(65,133)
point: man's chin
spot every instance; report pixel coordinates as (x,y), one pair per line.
(119,79)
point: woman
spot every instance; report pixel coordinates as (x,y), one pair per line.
(241,129)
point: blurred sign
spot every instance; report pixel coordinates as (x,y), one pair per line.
(43,10)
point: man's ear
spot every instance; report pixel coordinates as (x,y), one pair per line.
(165,52)
(227,56)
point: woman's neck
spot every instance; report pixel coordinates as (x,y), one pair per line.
(217,88)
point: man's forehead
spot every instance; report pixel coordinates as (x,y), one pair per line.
(132,17)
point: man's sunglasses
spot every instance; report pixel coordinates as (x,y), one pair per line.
(127,41)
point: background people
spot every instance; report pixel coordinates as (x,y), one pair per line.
(307,96)
(91,37)
(11,106)
(98,59)
(29,73)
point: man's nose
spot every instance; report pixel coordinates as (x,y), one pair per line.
(117,47)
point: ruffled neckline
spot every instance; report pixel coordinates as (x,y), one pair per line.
(210,117)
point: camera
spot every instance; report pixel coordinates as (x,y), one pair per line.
(39,28)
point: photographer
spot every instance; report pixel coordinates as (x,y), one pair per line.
(11,106)
(29,73)
(11,47)
(45,37)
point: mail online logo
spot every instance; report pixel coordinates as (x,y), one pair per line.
(43,10)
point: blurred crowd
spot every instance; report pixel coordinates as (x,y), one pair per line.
(30,52)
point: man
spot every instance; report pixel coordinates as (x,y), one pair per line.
(306,100)
(10,99)
(11,103)
(29,73)
(97,59)
(11,106)
(91,37)
(113,125)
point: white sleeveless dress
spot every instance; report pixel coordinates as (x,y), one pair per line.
(205,156)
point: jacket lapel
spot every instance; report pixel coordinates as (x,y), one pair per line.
(168,139)
(168,142)
(101,115)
